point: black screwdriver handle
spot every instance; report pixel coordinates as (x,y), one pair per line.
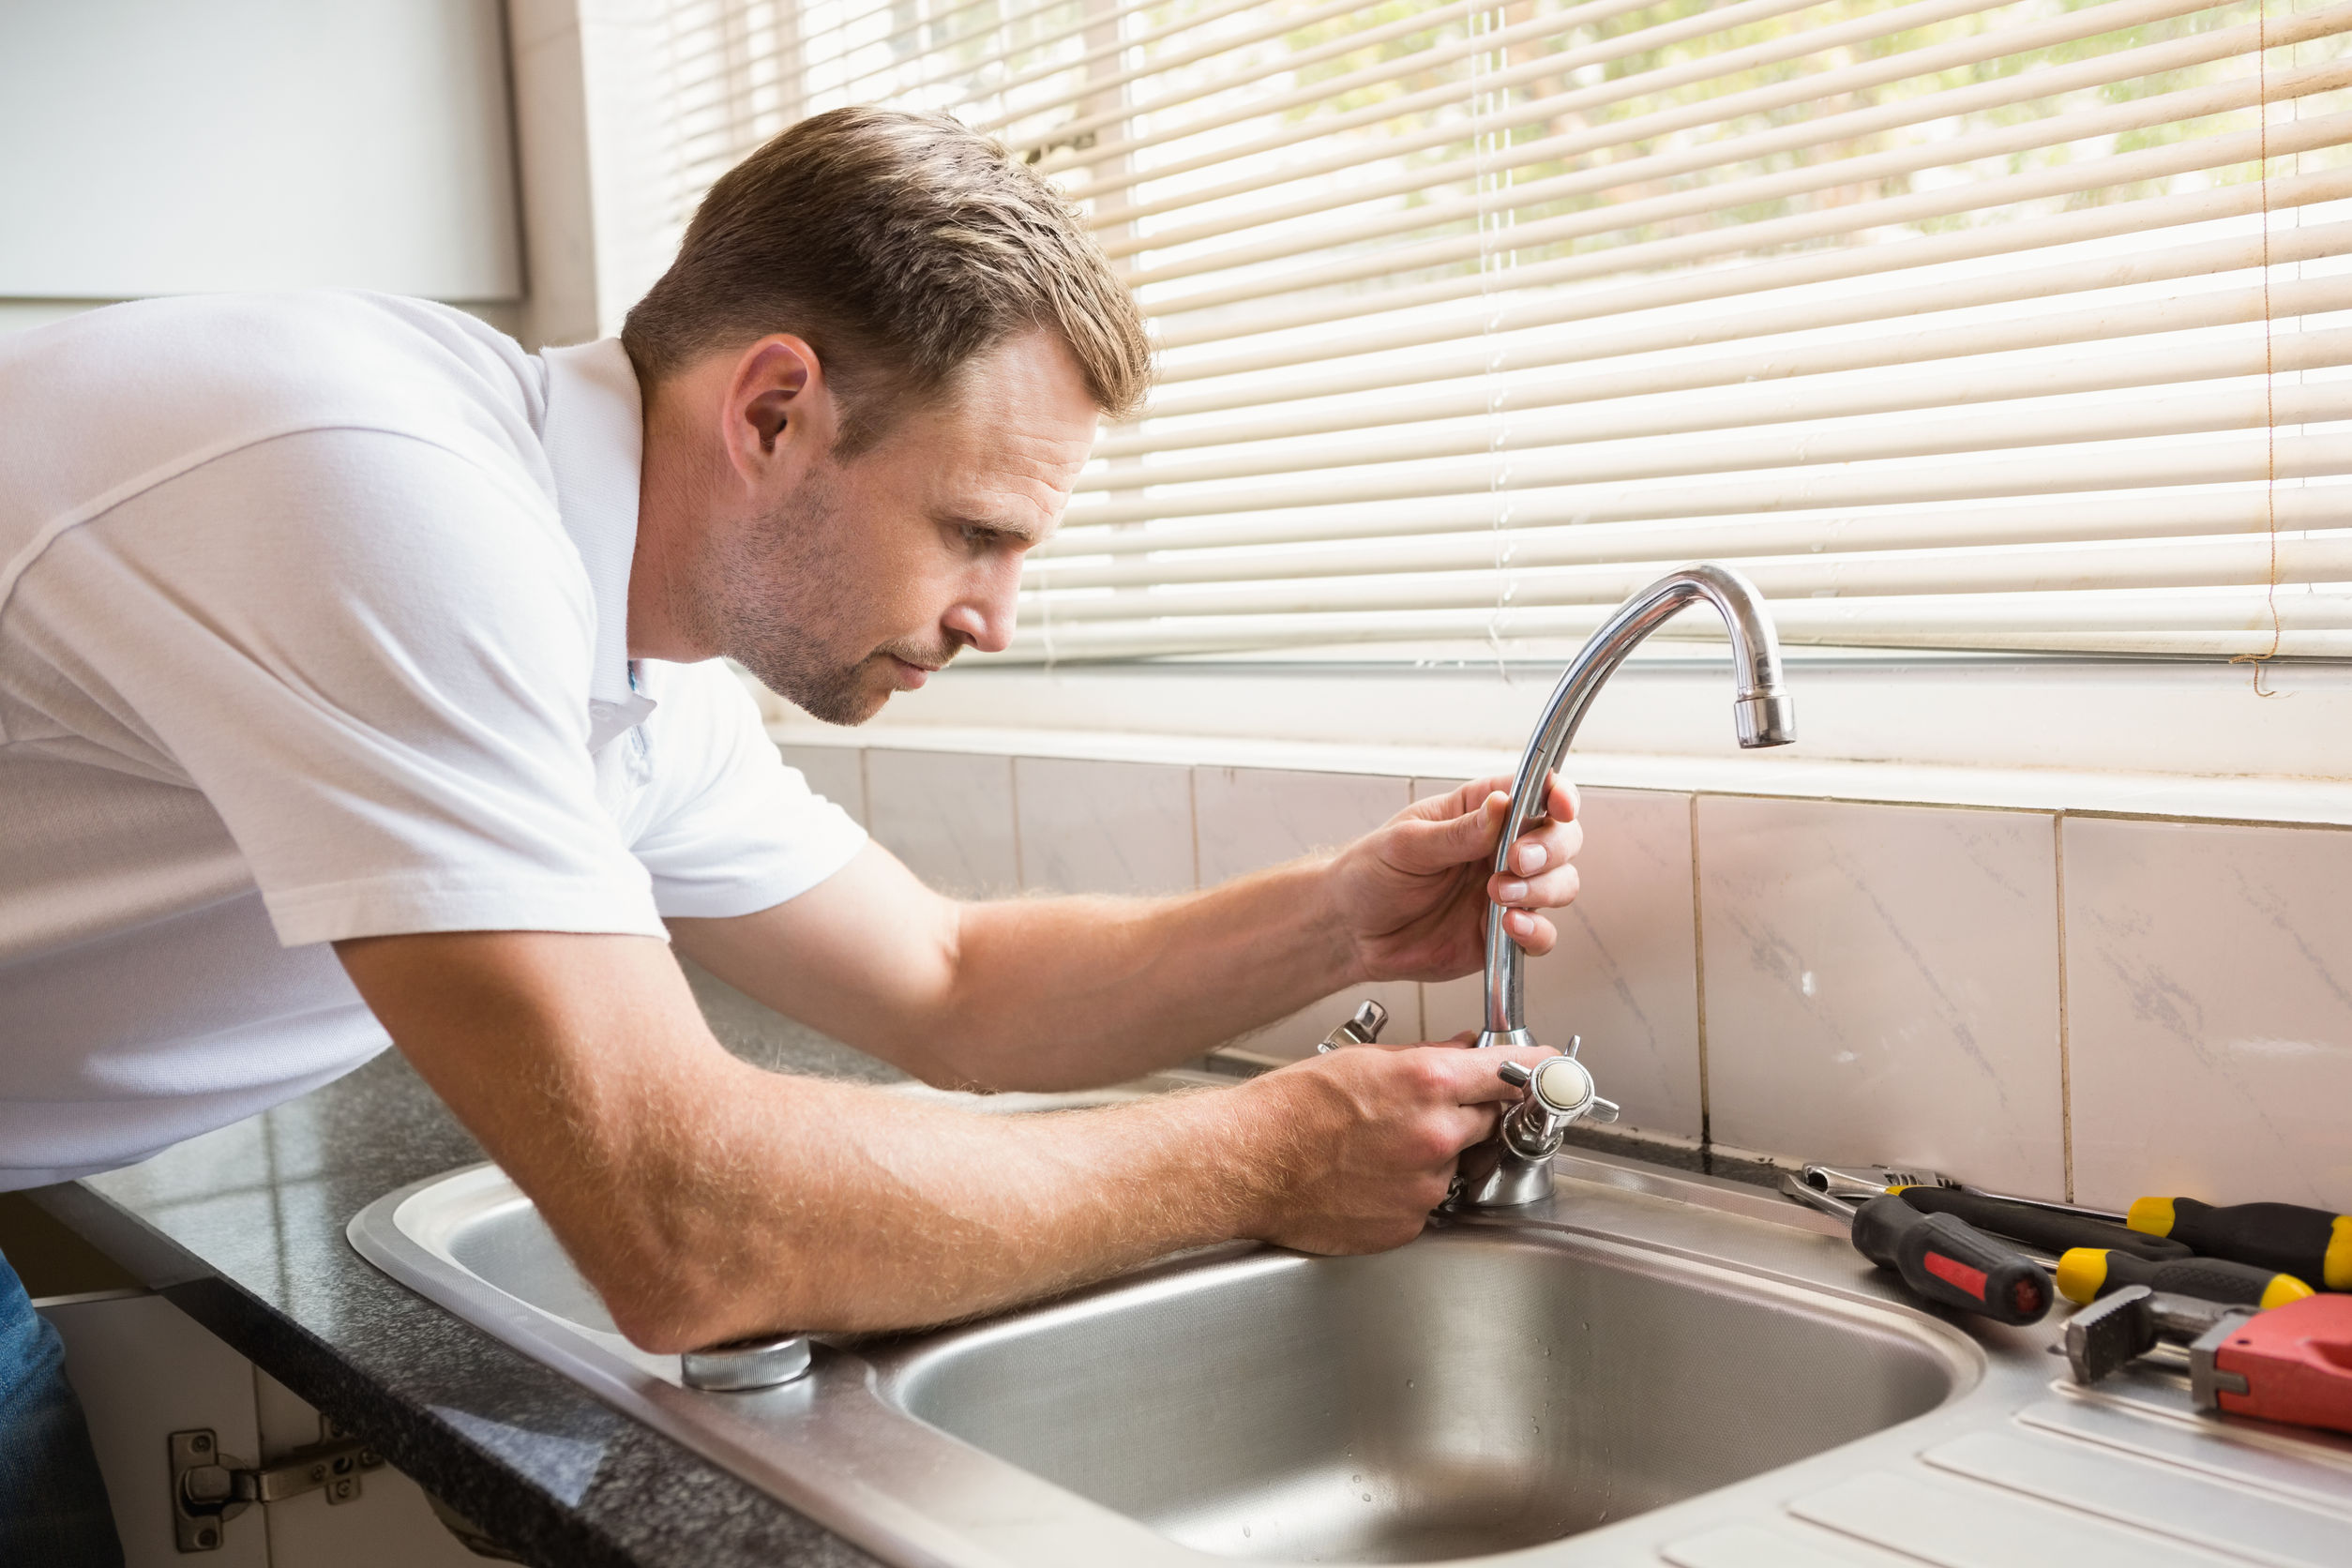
(2086,1273)
(1948,1260)
(2311,1244)
(2048,1229)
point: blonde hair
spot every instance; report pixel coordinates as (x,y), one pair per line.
(900,245)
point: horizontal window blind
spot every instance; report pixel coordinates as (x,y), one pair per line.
(1954,324)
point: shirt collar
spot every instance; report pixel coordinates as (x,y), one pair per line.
(596,446)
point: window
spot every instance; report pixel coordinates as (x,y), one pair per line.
(1955,324)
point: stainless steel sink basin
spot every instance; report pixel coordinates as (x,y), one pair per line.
(1647,1367)
(1483,1388)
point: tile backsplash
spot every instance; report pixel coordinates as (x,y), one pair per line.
(2033,1002)
(1882,984)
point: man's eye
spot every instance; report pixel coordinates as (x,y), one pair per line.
(977,538)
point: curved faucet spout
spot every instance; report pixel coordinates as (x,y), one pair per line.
(1760,709)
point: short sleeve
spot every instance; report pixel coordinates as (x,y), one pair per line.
(371,654)
(731,830)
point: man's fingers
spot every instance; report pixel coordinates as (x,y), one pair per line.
(1467,1124)
(1555,889)
(1562,804)
(1473,1077)
(1434,846)
(1551,844)
(1534,936)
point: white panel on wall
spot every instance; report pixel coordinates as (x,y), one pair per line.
(837,773)
(1881,984)
(1624,974)
(2209,1003)
(156,147)
(1248,818)
(1103,827)
(949,816)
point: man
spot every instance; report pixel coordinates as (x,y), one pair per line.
(359,677)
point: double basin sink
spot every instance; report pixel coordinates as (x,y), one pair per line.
(1625,1372)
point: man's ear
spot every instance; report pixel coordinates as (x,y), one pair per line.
(777,402)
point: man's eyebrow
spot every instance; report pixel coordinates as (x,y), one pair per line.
(1027,536)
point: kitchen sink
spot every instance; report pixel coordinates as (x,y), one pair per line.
(1485,1388)
(1645,1368)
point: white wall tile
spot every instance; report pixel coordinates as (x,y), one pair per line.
(1250,818)
(1624,974)
(1103,827)
(834,772)
(1881,984)
(949,816)
(2209,1012)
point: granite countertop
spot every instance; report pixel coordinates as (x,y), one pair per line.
(243,1230)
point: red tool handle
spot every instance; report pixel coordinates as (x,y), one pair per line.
(2295,1362)
(1947,1259)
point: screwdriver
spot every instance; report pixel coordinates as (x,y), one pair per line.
(2048,1229)
(2309,1243)
(1947,1259)
(2085,1274)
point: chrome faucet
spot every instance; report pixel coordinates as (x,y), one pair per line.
(1514,1165)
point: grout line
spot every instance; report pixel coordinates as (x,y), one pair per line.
(1013,803)
(1192,820)
(1698,981)
(2065,1038)
(865,789)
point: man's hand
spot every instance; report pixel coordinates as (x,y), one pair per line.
(1373,1135)
(1412,894)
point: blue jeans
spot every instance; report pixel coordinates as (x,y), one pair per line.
(52,1500)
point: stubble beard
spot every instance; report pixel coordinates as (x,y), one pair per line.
(780,604)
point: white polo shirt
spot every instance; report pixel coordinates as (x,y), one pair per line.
(312,625)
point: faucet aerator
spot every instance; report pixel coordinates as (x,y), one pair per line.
(1764,718)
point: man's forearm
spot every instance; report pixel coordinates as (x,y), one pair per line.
(862,1210)
(706,1200)
(1056,993)
(1032,993)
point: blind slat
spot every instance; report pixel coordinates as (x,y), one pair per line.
(1973,620)
(2175,313)
(1772,316)
(2134,564)
(1661,415)
(1921,14)
(2196,155)
(2006,431)
(2185,515)
(1535,309)
(2247,460)
(2073,27)
(2080,125)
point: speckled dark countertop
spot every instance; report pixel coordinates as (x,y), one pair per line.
(243,1230)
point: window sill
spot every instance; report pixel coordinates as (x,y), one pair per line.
(2137,738)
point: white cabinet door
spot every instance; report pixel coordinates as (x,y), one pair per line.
(144,1369)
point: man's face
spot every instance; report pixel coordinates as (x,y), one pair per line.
(871,573)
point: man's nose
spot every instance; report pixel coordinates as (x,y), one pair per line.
(983,618)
